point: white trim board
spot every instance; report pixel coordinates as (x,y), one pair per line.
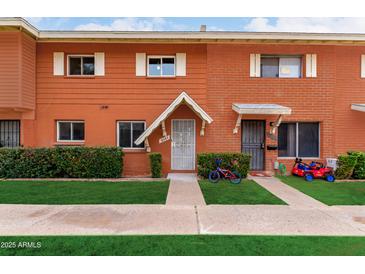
(182,98)
(358,107)
(260,109)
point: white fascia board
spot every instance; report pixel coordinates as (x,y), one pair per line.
(358,107)
(210,35)
(182,98)
(19,22)
(265,109)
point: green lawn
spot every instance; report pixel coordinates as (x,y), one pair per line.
(344,193)
(247,192)
(185,245)
(45,192)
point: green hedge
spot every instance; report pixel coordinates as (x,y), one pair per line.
(61,162)
(156,164)
(206,162)
(351,165)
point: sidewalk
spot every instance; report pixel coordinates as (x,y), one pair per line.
(188,220)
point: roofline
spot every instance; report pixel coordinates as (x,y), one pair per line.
(187,36)
(21,23)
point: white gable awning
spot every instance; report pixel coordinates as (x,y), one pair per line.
(183,98)
(267,109)
(262,109)
(358,107)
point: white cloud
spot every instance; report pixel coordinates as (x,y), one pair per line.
(308,24)
(127,24)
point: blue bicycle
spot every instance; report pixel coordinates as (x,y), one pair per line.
(233,176)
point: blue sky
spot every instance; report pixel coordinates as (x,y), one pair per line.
(298,24)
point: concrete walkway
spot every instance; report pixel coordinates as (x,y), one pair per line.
(290,195)
(184,190)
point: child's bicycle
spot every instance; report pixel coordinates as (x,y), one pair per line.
(219,173)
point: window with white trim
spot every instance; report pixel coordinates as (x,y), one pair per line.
(70,131)
(81,65)
(161,66)
(128,133)
(281,66)
(299,140)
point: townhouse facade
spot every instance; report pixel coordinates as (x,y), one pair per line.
(276,96)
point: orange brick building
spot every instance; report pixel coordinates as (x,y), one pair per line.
(276,96)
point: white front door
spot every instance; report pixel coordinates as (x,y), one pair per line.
(183,144)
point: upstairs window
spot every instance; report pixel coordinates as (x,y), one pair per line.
(161,66)
(128,132)
(298,140)
(70,131)
(81,65)
(281,66)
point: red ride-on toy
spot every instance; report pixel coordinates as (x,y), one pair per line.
(314,170)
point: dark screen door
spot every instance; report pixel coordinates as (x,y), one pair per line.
(253,142)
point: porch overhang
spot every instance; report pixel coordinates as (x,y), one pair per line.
(358,107)
(183,98)
(260,109)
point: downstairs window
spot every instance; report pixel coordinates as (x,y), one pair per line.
(299,140)
(9,133)
(128,133)
(70,131)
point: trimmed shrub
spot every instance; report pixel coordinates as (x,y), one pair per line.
(206,162)
(350,165)
(155,164)
(61,162)
(359,170)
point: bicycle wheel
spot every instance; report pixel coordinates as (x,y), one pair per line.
(236,180)
(214,176)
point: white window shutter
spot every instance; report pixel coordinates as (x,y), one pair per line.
(255,65)
(58,63)
(308,65)
(180,64)
(311,65)
(258,65)
(363,66)
(99,63)
(140,64)
(314,65)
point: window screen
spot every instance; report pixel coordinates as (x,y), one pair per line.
(287,137)
(308,140)
(270,67)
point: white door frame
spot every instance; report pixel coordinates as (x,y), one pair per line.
(194,130)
